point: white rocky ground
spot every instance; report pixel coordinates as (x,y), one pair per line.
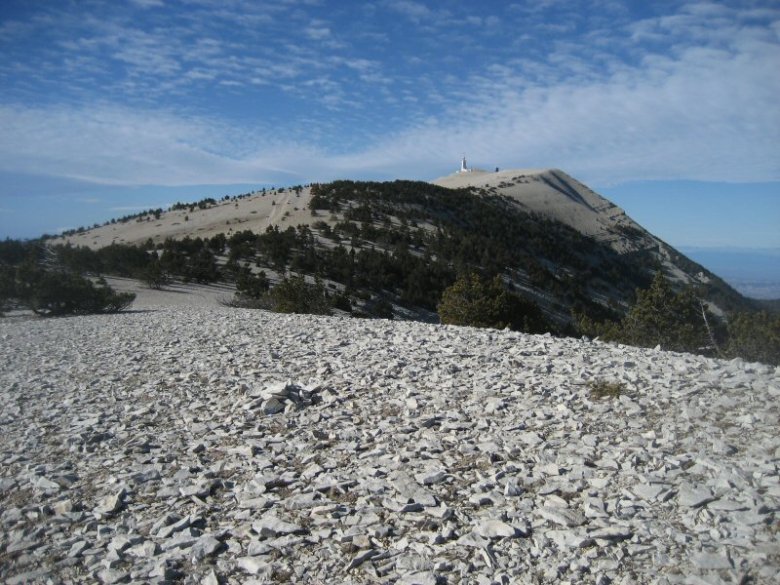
(217,445)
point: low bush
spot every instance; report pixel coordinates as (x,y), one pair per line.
(754,337)
(603,389)
(474,302)
(295,295)
(675,321)
(55,293)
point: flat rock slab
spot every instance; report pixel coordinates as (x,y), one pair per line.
(693,496)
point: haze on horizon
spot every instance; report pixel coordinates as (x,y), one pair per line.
(667,108)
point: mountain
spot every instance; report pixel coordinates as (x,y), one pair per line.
(403,242)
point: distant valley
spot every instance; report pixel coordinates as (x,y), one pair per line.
(753,272)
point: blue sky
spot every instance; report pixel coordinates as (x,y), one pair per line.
(669,108)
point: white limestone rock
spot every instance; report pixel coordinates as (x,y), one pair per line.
(494,529)
(398,452)
(270,526)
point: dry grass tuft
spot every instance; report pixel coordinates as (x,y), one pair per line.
(603,389)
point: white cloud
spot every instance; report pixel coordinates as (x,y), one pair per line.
(414,11)
(148,3)
(317,32)
(706,109)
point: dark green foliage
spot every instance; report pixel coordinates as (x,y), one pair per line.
(201,267)
(475,302)
(7,287)
(56,293)
(14,252)
(295,295)
(675,321)
(251,286)
(754,337)
(341,302)
(662,317)
(153,275)
(217,243)
(472,231)
(679,321)
(381,309)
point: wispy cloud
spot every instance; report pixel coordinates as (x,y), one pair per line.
(414,11)
(687,94)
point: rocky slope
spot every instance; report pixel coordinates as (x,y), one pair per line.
(211,445)
(553,194)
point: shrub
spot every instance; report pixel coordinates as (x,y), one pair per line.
(7,287)
(660,317)
(602,389)
(154,276)
(471,301)
(382,309)
(64,293)
(295,295)
(754,337)
(251,286)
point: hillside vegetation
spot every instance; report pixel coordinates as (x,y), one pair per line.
(412,250)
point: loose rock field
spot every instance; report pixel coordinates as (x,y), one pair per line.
(215,445)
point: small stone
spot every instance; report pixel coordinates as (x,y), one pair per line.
(494,529)
(271,525)
(711,561)
(562,516)
(530,438)
(431,477)
(111,504)
(110,576)
(253,565)
(77,548)
(613,533)
(44,483)
(204,547)
(513,489)
(257,548)
(361,558)
(419,578)
(693,496)
(273,405)
(648,491)
(569,538)
(63,507)
(144,550)
(167,531)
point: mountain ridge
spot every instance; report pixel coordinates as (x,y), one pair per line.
(535,213)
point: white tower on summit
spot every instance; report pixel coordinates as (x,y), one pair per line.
(463,167)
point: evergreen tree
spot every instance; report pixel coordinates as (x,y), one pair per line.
(475,302)
(662,317)
(754,337)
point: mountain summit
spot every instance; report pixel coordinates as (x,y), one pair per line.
(555,195)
